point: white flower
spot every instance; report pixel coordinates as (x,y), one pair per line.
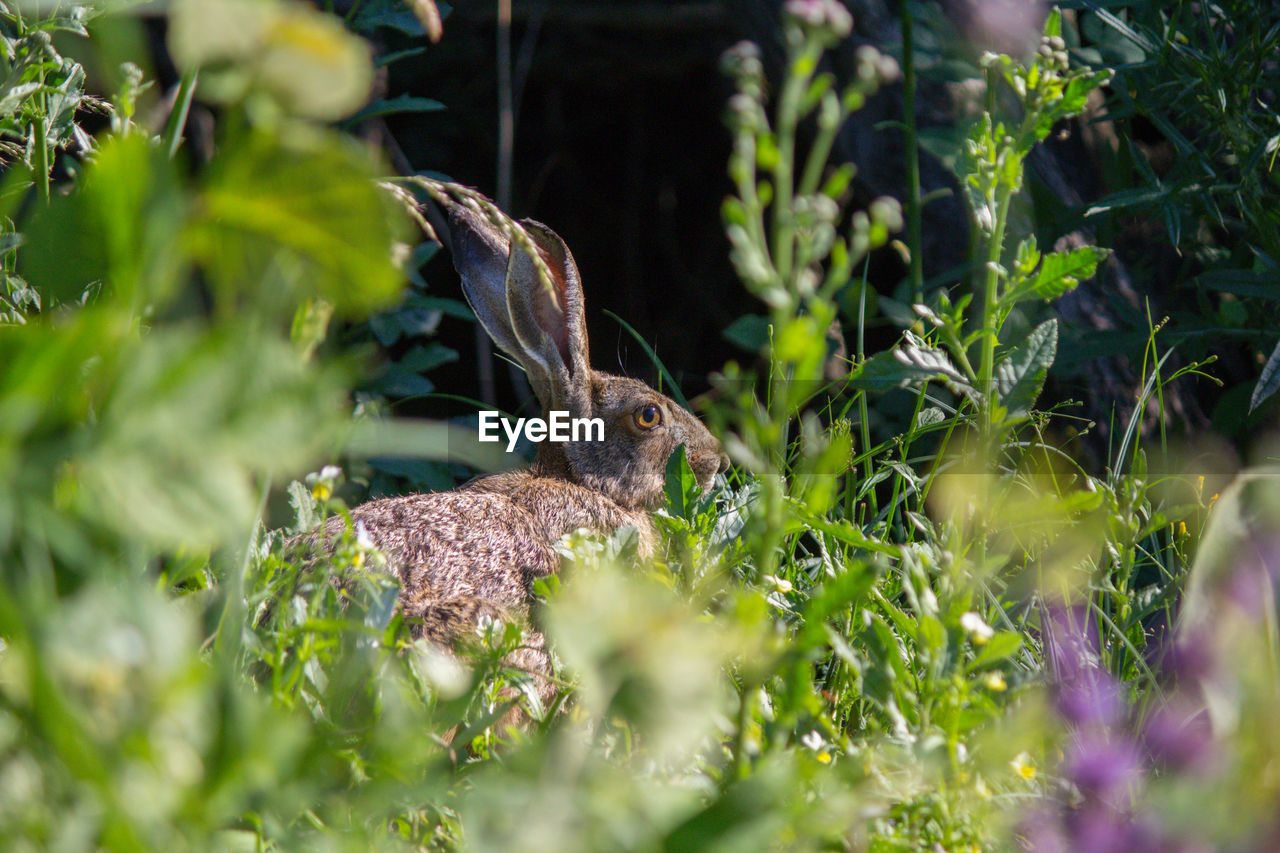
(780,584)
(813,741)
(977,630)
(363,539)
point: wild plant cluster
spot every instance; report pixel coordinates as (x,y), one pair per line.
(948,635)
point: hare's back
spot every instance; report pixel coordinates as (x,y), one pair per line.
(459,545)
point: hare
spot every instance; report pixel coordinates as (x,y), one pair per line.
(474,553)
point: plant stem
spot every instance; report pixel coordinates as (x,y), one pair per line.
(784,169)
(912,153)
(863,415)
(740,737)
(353,11)
(820,151)
(178,115)
(990,319)
(40,144)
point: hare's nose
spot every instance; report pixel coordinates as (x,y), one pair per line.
(724,462)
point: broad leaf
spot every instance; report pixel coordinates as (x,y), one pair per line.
(682,486)
(1020,375)
(911,364)
(1061,271)
(120,228)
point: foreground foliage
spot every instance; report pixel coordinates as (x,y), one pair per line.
(943,634)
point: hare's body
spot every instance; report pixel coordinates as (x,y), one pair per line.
(474,553)
(489,540)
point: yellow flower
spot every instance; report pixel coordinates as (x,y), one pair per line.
(1182,528)
(321,491)
(994,681)
(1022,765)
(823,757)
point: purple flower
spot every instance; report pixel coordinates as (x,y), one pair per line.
(1041,832)
(1190,659)
(1103,768)
(1086,695)
(1106,762)
(1070,640)
(1091,700)
(1178,735)
(1250,584)
(1102,831)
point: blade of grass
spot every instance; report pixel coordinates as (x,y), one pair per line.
(672,388)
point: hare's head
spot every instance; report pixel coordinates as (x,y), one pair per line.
(533,309)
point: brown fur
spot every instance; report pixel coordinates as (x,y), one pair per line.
(474,553)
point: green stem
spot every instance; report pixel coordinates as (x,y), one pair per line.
(40,142)
(912,153)
(990,318)
(740,766)
(181,108)
(746,146)
(863,415)
(784,169)
(353,11)
(820,151)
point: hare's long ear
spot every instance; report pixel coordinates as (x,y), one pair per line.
(480,251)
(542,327)
(550,322)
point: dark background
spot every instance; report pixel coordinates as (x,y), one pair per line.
(620,147)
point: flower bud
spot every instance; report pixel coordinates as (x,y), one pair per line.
(886,211)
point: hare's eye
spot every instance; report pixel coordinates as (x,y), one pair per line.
(648,417)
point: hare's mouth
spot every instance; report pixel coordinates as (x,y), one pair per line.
(705,467)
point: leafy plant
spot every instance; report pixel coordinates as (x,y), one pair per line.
(955,638)
(1196,130)
(1003,388)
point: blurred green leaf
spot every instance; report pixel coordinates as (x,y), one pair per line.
(1001,646)
(1263,285)
(262,211)
(749,332)
(395,15)
(187,424)
(121,228)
